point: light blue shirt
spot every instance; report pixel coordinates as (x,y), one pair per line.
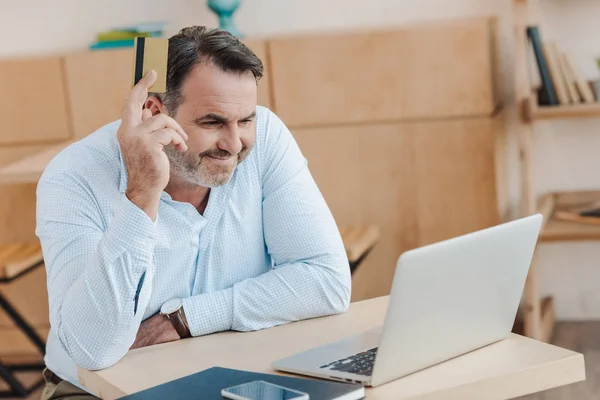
(266,252)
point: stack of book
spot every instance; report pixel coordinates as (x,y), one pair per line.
(556,78)
(586,214)
(124,36)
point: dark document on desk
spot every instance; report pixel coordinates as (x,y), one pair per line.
(208,384)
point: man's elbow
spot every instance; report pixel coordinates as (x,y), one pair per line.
(343,303)
(341,290)
(338,306)
(98,361)
(96,357)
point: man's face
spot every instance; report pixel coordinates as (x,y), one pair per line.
(217,112)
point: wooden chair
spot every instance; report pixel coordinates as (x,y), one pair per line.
(16,261)
(358,240)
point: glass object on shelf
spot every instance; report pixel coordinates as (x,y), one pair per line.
(225,10)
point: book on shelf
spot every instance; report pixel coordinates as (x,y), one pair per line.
(547,94)
(552,57)
(554,75)
(108,36)
(586,214)
(125,36)
(152,26)
(569,79)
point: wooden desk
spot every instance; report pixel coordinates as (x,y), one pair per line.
(29,169)
(510,368)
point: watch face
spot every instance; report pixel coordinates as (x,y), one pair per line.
(171,306)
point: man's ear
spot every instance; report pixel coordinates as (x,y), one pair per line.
(154,104)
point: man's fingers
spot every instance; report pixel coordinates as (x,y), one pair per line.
(161,121)
(141,88)
(146,114)
(168,136)
(134,101)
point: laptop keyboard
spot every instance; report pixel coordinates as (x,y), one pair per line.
(360,364)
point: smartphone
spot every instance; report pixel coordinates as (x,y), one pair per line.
(261,390)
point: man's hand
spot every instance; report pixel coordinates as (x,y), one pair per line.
(142,138)
(156,329)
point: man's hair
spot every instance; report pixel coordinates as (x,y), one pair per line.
(198,44)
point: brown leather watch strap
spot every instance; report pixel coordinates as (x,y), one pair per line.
(178,321)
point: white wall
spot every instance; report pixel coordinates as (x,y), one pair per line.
(568,271)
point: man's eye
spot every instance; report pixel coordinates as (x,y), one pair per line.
(212,123)
(246,121)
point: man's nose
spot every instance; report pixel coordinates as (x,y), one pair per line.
(230,141)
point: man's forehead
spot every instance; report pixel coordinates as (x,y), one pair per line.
(207,89)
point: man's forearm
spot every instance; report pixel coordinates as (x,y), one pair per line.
(289,293)
(102,310)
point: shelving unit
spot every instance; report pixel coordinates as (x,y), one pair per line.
(533,112)
(560,230)
(537,313)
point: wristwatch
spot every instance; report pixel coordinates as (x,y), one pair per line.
(173,309)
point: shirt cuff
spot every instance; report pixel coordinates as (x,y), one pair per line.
(210,312)
(132,230)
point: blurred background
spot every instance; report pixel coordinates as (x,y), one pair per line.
(420,121)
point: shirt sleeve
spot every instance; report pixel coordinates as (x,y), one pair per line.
(94,269)
(311,274)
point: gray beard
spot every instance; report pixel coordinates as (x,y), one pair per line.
(193,170)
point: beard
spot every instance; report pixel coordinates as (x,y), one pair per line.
(199,170)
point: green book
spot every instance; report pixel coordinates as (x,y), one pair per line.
(125,35)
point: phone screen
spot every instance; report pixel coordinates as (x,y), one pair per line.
(261,390)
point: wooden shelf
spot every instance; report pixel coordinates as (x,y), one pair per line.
(531,111)
(555,230)
(573,111)
(29,169)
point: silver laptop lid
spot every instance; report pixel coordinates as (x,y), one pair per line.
(454,296)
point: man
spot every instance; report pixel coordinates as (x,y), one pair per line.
(195,213)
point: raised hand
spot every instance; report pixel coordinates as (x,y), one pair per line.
(142,138)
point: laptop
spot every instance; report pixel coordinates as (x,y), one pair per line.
(447,299)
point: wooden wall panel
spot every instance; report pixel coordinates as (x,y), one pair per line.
(98,82)
(422,71)
(455,169)
(388,200)
(420,182)
(259,47)
(333,156)
(33,106)
(9,154)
